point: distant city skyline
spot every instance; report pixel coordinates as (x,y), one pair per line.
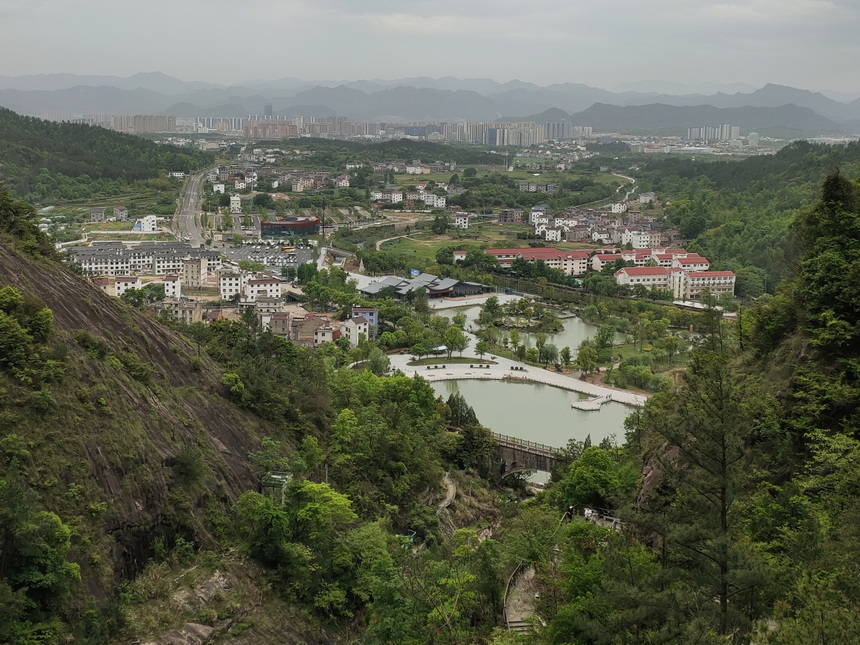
(807,44)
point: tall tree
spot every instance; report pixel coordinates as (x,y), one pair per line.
(697,439)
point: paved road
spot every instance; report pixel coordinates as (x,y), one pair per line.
(189,209)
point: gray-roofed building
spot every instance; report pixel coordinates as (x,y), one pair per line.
(434,286)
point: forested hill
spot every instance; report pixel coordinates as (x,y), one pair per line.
(738,213)
(334,154)
(80,153)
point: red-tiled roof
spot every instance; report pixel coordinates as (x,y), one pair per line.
(644,271)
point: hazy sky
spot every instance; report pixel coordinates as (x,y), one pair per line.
(805,43)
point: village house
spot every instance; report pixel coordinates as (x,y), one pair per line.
(353,329)
(235,204)
(195,271)
(460,220)
(172,286)
(124,283)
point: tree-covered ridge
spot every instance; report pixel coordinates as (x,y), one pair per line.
(738,213)
(38,157)
(335,155)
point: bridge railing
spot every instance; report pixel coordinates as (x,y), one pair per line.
(523,444)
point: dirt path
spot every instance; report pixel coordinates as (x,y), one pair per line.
(451,492)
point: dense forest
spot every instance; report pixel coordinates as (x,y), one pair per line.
(739,213)
(41,159)
(134,455)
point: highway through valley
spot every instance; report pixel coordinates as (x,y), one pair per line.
(188,220)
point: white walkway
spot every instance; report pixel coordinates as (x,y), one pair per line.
(502,370)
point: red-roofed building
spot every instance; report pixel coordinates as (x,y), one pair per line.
(717,282)
(692,262)
(602,259)
(648,277)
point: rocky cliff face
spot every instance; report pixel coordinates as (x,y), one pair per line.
(136,446)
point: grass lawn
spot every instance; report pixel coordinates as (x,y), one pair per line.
(108,227)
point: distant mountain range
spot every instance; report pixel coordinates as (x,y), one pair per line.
(429,99)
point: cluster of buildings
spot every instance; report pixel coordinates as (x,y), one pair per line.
(491,133)
(412,198)
(154,258)
(146,224)
(683,273)
(622,223)
(723,132)
(273,126)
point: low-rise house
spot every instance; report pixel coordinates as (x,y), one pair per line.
(107,285)
(146,224)
(235,204)
(172,286)
(354,328)
(124,283)
(185,311)
(460,220)
(97,214)
(552,234)
(279,324)
(303,329)
(510,216)
(326,334)
(434,201)
(120,213)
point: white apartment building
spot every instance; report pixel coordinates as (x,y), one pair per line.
(230,285)
(434,201)
(262,288)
